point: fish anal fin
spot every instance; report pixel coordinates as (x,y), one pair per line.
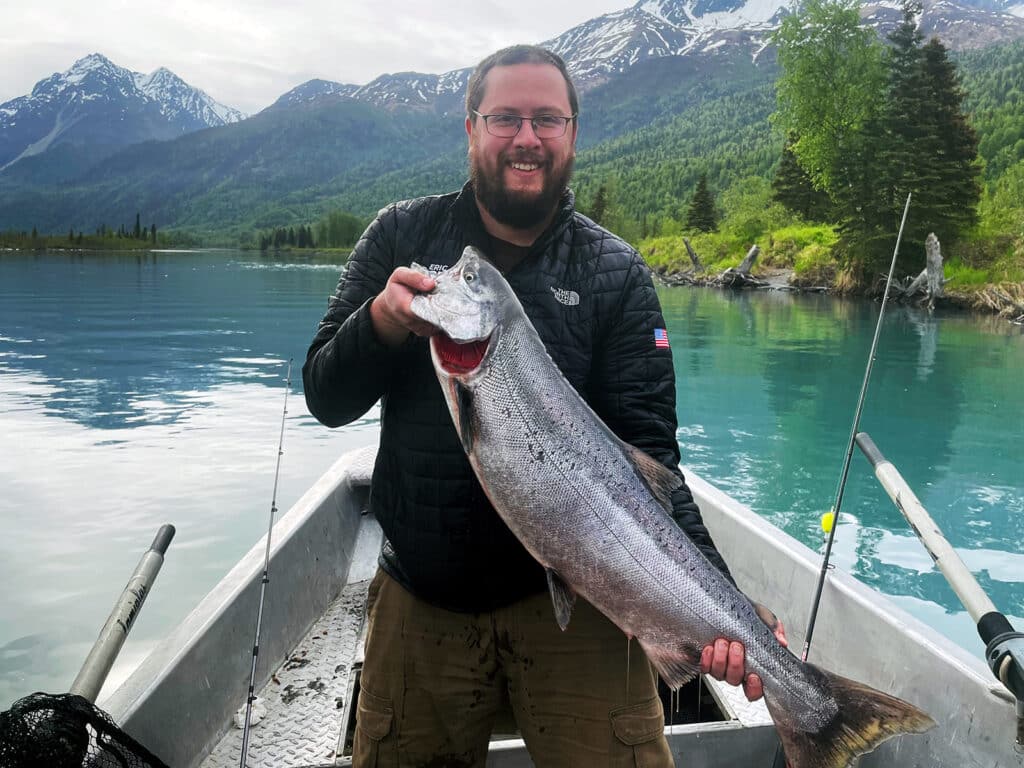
(676,667)
(563,598)
(659,478)
(464,400)
(865,718)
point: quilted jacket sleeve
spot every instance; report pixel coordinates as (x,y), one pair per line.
(347,367)
(635,392)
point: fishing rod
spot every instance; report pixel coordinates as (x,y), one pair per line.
(779,760)
(850,445)
(266,576)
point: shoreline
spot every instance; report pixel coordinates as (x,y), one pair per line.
(992,299)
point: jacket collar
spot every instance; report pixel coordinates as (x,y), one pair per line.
(467,215)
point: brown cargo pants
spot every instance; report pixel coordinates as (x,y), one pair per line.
(433,683)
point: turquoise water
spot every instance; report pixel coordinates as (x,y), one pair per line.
(138,389)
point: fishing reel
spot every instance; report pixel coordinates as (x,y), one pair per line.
(1004,653)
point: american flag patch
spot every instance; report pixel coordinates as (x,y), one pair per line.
(660,338)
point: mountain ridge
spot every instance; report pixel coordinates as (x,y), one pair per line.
(97,104)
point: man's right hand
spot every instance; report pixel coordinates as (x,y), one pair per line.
(392,319)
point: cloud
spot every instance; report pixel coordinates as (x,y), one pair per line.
(247,54)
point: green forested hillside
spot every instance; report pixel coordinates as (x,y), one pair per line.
(646,137)
(994,81)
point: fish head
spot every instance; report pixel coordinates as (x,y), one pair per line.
(467,305)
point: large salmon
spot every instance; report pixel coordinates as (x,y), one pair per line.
(594,512)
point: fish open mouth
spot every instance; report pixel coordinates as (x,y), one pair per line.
(458,358)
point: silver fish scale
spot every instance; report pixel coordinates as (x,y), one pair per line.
(584,511)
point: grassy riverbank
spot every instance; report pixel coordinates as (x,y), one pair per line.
(977,268)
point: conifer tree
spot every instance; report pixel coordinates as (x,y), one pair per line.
(701,214)
(71,235)
(138,227)
(792,186)
(152,232)
(599,205)
(956,160)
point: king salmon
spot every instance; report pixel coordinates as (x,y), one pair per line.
(594,512)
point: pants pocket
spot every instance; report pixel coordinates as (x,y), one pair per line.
(372,747)
(641,728)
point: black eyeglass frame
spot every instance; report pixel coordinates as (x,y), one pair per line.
(533,124)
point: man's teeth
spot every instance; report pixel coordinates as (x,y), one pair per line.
(526,166)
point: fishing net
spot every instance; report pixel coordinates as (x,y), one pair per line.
(66,731)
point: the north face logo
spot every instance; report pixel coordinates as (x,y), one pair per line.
(569,298)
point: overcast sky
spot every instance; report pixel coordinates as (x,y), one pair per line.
(247,53)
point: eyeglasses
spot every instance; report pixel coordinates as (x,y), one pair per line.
(508,126)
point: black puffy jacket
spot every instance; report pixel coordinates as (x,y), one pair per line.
(593,303)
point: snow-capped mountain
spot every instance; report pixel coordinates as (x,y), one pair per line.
(102,106)
(313,91)
(606,46)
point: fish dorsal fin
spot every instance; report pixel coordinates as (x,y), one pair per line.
(659,478)
(563,597)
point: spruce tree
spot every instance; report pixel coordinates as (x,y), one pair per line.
(792,186)
(138,227)
(599,205)
(152,232)
(955,141)
(701,214)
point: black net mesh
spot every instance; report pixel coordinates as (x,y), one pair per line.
(66,731)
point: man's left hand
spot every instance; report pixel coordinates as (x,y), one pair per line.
(725,660)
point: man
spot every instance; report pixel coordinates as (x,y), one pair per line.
(459,614)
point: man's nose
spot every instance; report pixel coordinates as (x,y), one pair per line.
(527,137)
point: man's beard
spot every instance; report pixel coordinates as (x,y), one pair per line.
(515,209)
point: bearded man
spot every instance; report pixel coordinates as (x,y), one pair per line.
(460,621)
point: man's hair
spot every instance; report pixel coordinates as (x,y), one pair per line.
(516,54)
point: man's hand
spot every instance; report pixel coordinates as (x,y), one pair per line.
(725,660)
(392,319)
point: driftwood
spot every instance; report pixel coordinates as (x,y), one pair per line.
(748,261)
(697,266)
(1006,300)
(936,279)
(927,286)
(733,278)
(740,276)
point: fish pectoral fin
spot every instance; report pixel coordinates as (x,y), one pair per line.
(464,398)
(659,478)
(675,667)
(415,267)
(563,597)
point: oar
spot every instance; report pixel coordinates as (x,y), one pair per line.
(1004,651)
(104,651)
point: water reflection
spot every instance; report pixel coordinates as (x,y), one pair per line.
(766,405)
(136,391)
(140,389)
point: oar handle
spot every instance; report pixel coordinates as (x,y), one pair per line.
(104,651)
(1004,650)
(948,561)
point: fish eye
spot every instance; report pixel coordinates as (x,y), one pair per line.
(470,277)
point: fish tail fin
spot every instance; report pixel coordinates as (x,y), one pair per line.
(866,717)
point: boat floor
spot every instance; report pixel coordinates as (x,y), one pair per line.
(306,702)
